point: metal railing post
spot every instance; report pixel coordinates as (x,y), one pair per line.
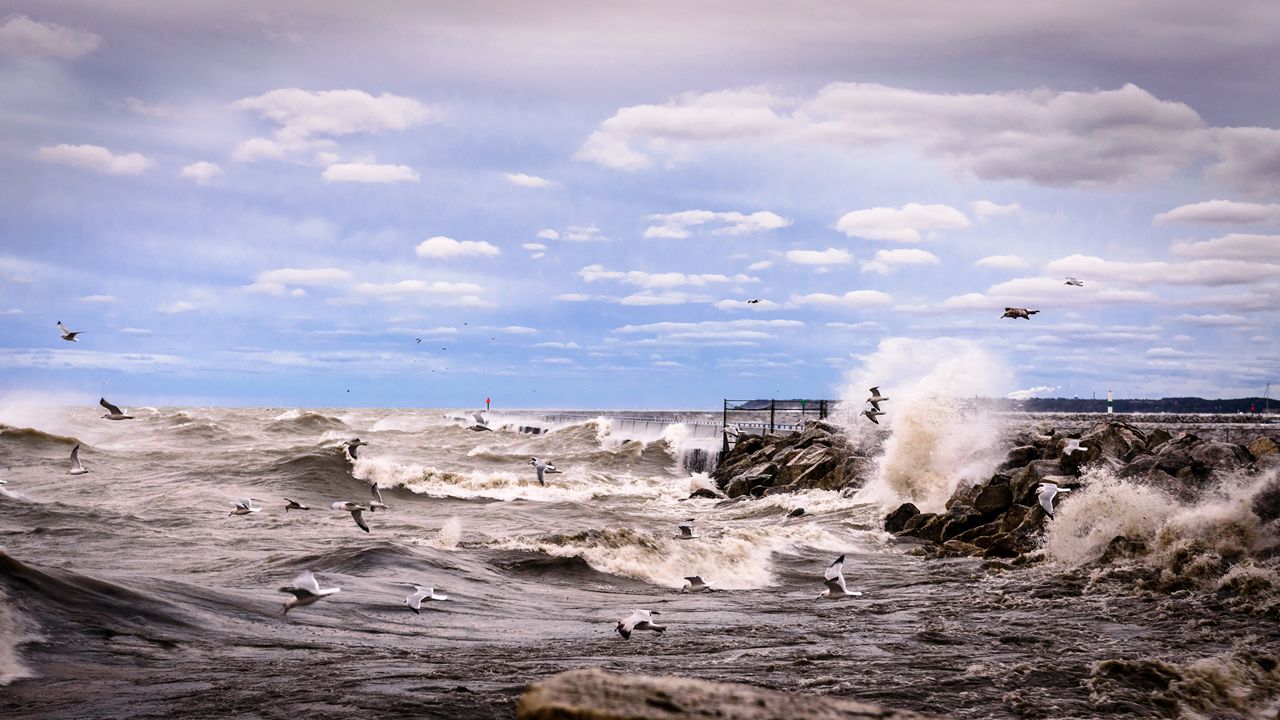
(772,404)
(724,427)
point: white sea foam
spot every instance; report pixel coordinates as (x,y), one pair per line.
(936,438)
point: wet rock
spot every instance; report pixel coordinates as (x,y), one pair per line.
(1211,457)
(929,528)
(1020,456)
(1266,504)
(707,493)
(1262,447)
(993,498)
(1023,483)
(1114,439)
(1157,437)
(959,519)
(896,521)
(598,695)
(816,457)
(798,512)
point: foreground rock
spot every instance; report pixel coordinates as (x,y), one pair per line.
(818,457)
(599,695)
(1002,517)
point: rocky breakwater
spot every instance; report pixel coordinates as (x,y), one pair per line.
(1002,517)
(817,457)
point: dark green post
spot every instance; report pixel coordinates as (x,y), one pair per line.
(772,404)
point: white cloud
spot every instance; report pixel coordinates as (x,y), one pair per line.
(854,299)
(576,297)
(1046,137)
(519,330)
(202,172)
(1233,246)
(529,181)
(582,233)
(663,297)
(761,265)
(417,287)
(676,225)
(98,299)
(709,332)
(1221,212)
(177,308)
(1249,160)
(446,247)
(538,248)
(1224,320)
(135,331)
(1032,292)
(762,306)
(1003,262)
(985,209)
(369,173)
(1167,352)
(142,107)
(886,260)
(20,35)
(548,234)
(901,224)
(1195,272)
(593,273)
(558,345)
(274,282)
(830,256)
(11,312)
(1031,392)
(95,157)
(307,119)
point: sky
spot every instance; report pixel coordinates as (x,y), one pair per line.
(570,204)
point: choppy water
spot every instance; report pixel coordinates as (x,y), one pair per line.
(129,592)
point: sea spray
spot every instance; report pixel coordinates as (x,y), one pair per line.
(13,633)
(938,437)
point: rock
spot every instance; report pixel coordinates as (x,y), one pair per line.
(956,548)
(958,519)
(1020,456)
(929,529)
(993,498)
(1157,437)
(1140,466)
(1213,457)
(1114,439)
(798,512)
(1023,483)
(815,461)
(598,695)
(915,522)
(895,521)
(1266,504)
(706,493)
(1263,446)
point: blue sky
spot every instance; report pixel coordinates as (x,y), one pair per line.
(570,203)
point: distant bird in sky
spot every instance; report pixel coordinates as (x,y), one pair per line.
(355,509)
(686,531)
(1075,282)
(876,398)
(834,577)
(352,446)
(67,335)
(1016,313)
(76,467)
(872,414)
(695,583)
(638,620)
(414,601)
(243,506)
(295,505)
(113,412)
(419,341)
(305,591)
(753,301)
(1046,492)
(376,503)
(542,466)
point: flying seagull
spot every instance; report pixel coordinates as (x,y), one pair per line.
(542,466)
(67,334)
(638,620)
(835,581)
(414,601)
(481,423)
(1045,493)
(113,412)
(753,302)
(1072,446)
(376,503)
(686,531)
(871,415)
(76,467)
(295,505)
(876,398)
(353,446)
(695,583)
(305,590)
(1016,313)
(243,506)
(355,510)
(1075,282)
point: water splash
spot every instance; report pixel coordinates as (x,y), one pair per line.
(938,437)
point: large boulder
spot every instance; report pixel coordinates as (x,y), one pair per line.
(797,462)
(594,694)
(1113,439)
(895,521)
(1263,446)
(1023,483)
(1214,457)
(1020,456)
(1266,504)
